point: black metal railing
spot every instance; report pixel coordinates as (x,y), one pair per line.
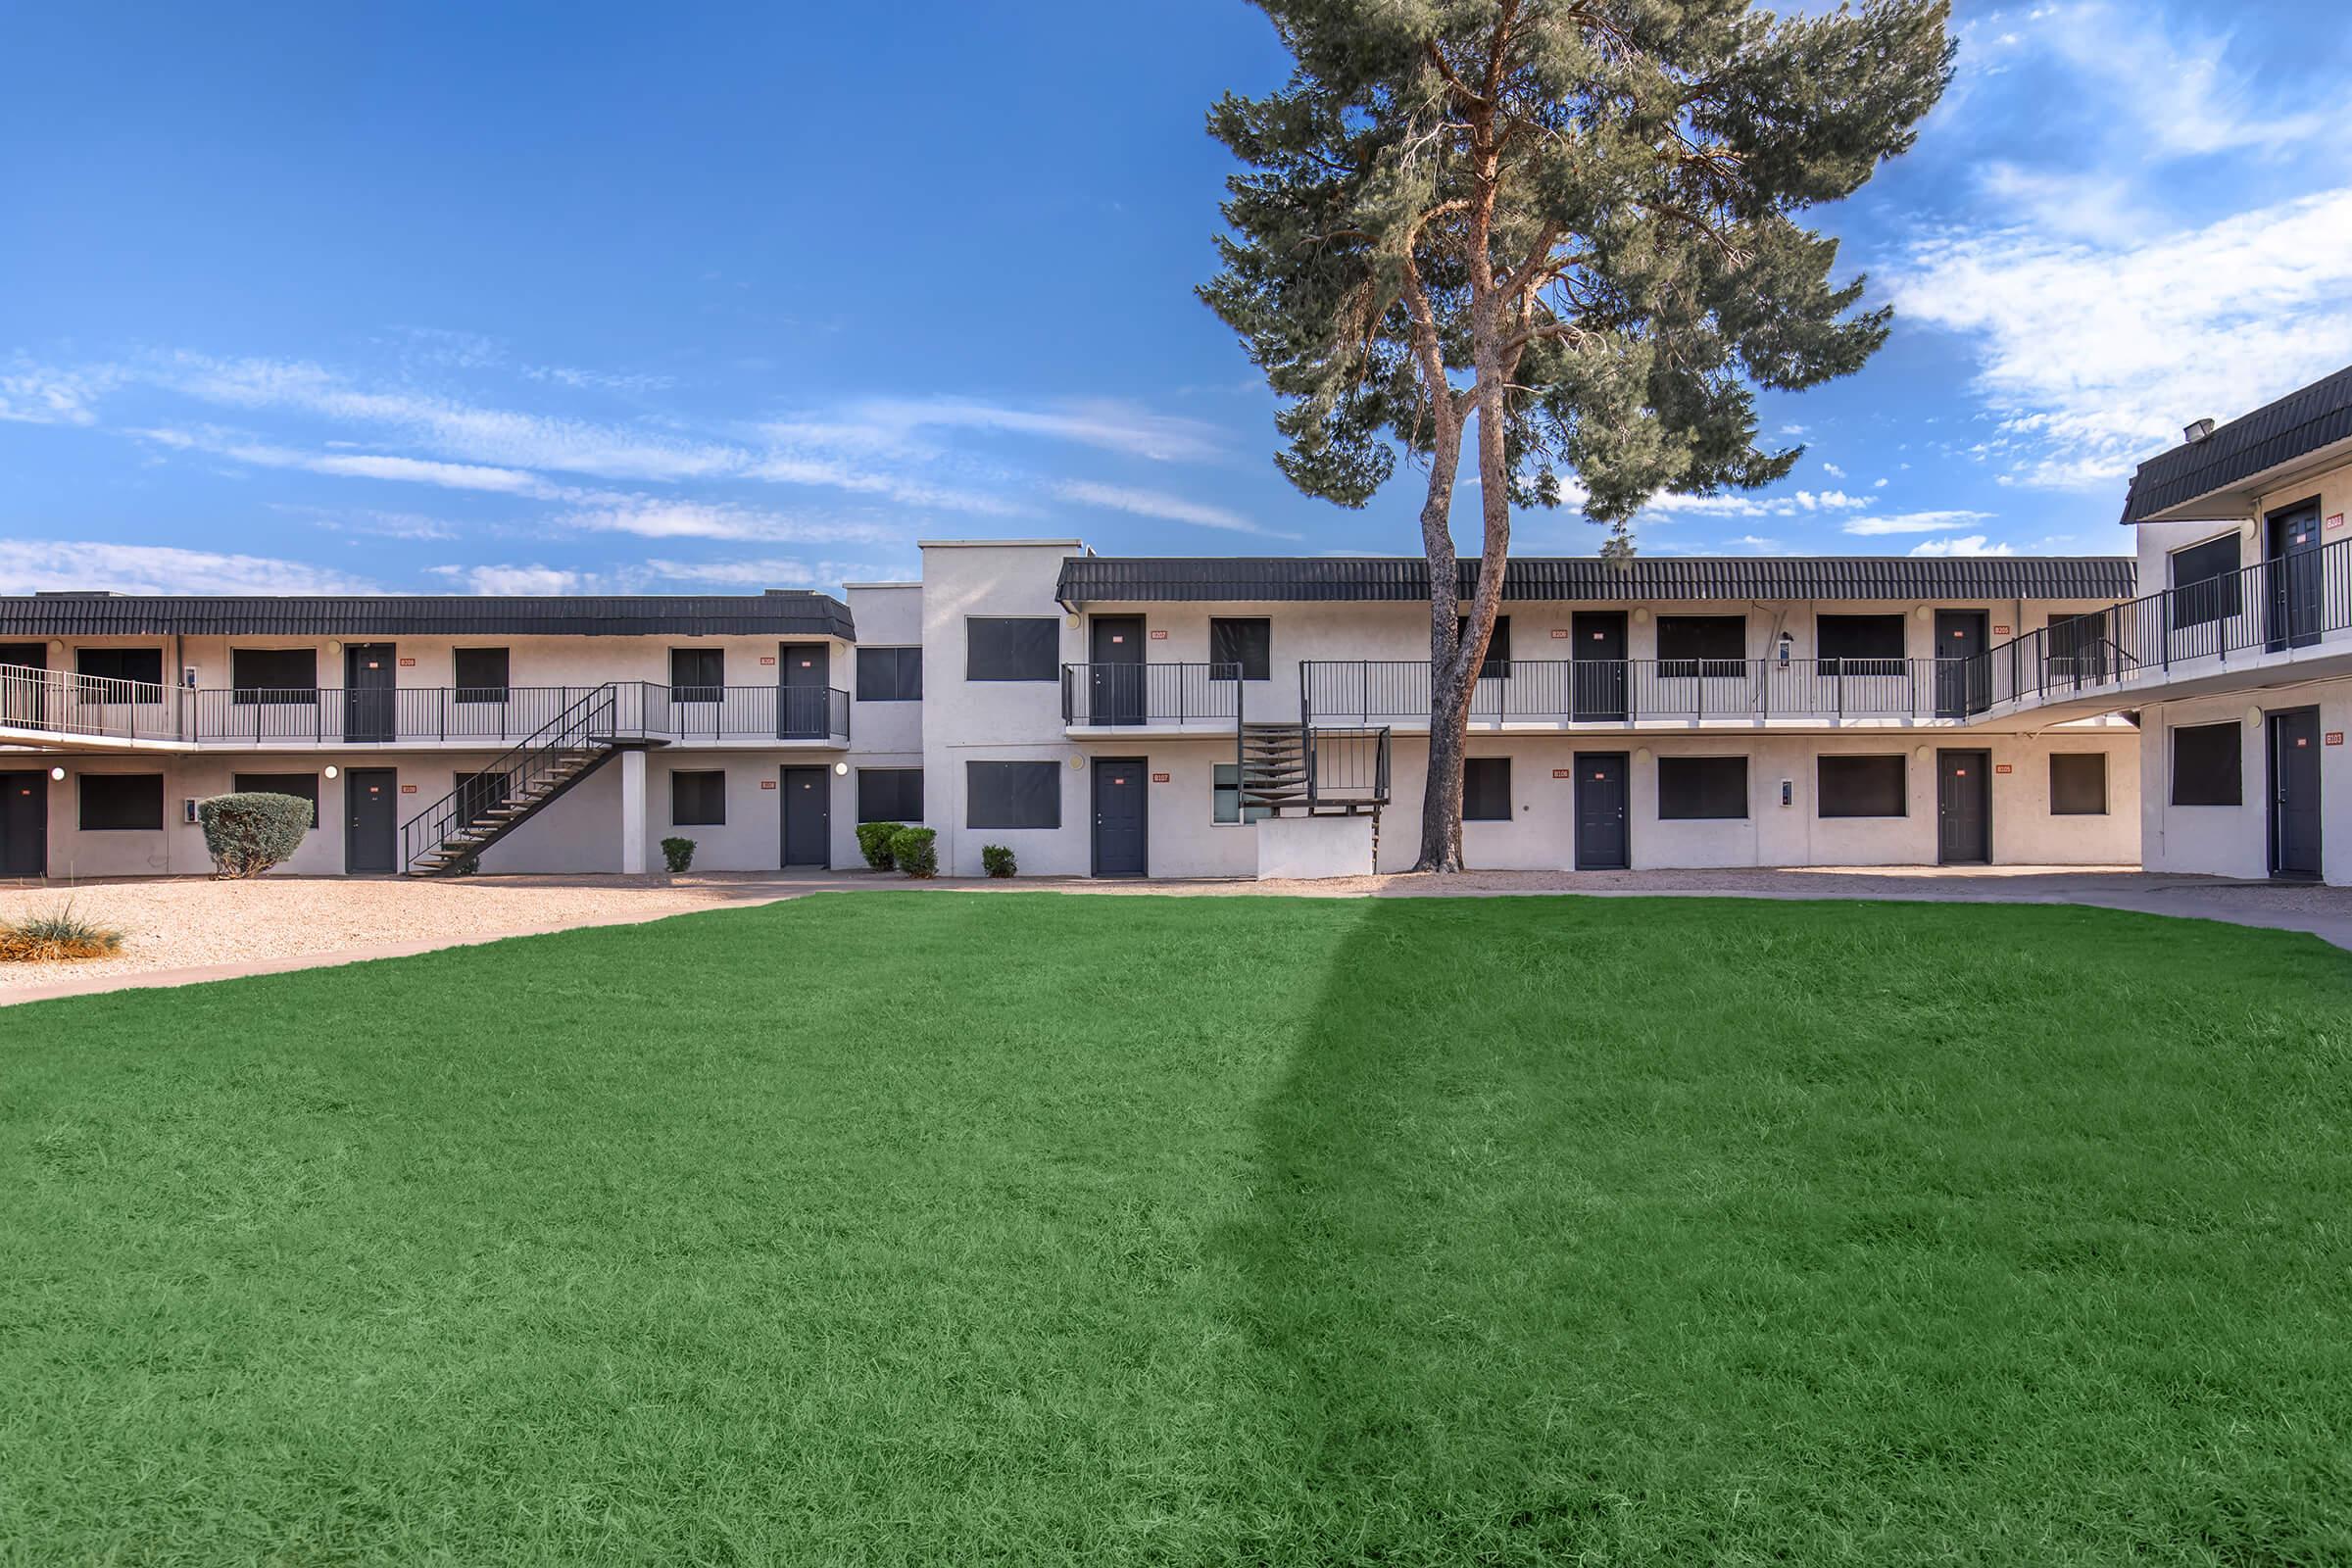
(2288,602)
(689,714)
(504,715)
(1131,694)
(59,702)
(1623,691)
(1347,766)
(594,719)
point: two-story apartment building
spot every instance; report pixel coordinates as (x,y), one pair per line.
(1106,716)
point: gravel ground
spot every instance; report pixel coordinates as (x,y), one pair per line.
(193,923)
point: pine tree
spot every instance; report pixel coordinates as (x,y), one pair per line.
(1572,220)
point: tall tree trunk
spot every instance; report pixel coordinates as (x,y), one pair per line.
(1448,706)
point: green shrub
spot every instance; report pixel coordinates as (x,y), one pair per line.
(57,933)
(247,834)
(997,860)
(915,852)
(678,853)
(874,841)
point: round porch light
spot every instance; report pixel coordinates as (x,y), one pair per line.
(331,770)
(58,773)
(841,769)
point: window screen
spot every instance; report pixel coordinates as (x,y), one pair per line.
(121,800)
(1861,786)
(1702,645)
(1012,795)
(2079,784)
(2206,587)
(1860,645)
(1226,802)
(481,674)
(1243,640)
(1701,788)
(273,674)
(1498,647)
(1008,648)
(2206,766)
(142,666)
(890,795)
(302,786)
(698,799)
(890,675)
(697,674)
(1487,789)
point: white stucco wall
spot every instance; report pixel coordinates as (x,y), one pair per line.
(2234,839)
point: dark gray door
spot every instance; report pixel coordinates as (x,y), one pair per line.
(808,816)
(1963,682)
(1963,808)
(368,692)
(2294,573)
(1596,665)
(1121,829)
(1604,842)
(372,820)
(23,824)
(2295,793)
(1116,672)
(803,690)
(23,699)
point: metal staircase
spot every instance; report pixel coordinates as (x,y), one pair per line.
(449,835)
(1320,772)
(1273,766)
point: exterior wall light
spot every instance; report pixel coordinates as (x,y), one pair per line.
(58,773)
(331,770)
(841,769)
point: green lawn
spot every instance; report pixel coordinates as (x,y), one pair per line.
(1041,1229)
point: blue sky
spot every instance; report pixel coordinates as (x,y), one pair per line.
(589,298)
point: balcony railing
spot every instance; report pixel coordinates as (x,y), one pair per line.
(1113,695)
(2285,603)
(499,715)
(1627,691)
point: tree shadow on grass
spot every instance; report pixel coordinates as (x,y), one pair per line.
(1820,1232)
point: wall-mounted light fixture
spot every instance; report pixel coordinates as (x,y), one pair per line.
(841,769)
(58,773)
(331,770)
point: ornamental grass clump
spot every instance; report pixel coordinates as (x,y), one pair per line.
(54,935)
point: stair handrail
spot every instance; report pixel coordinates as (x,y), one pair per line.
(521,765)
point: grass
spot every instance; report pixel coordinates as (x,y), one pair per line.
(48,936)
(1035,1229)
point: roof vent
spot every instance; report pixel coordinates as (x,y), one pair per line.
(73,593)
(2197,431)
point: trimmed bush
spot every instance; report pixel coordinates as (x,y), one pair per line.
(915,852)
(55,934)
(874,841)
(997,860)
(247,834)
(677,854)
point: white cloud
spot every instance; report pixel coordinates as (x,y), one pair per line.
(1972,545)
(1914,522)
(515,580)
(2091,357)
(831,473)
(2174,95)
(1158,503)
(1833,471)
(650,518)
(1111,424)
(33,394)
(28,565)
(1877,485)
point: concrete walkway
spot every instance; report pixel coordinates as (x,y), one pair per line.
(2325,912)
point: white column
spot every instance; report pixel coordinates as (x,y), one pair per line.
(632,811)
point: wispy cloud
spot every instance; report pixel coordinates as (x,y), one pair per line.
(33,566)
(693,519)
(1974,544)
(35,394)
(1914,522)
(2093,356)
(1108,425)
(1158,503)
(515,580)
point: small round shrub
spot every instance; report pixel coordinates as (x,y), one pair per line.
(997,860)
(677,854)
(249,833)
(874,841)
(915,852)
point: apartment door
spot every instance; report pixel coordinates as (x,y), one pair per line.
(23,824)
(1116,675)
(1122,828)
(23,697)
(807,836)
(1962,678)
(2295,793)
(1604,842)
(804,689)
(372,820)
(1596,665)
(1963,808)
(368,680)
(2294,576)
